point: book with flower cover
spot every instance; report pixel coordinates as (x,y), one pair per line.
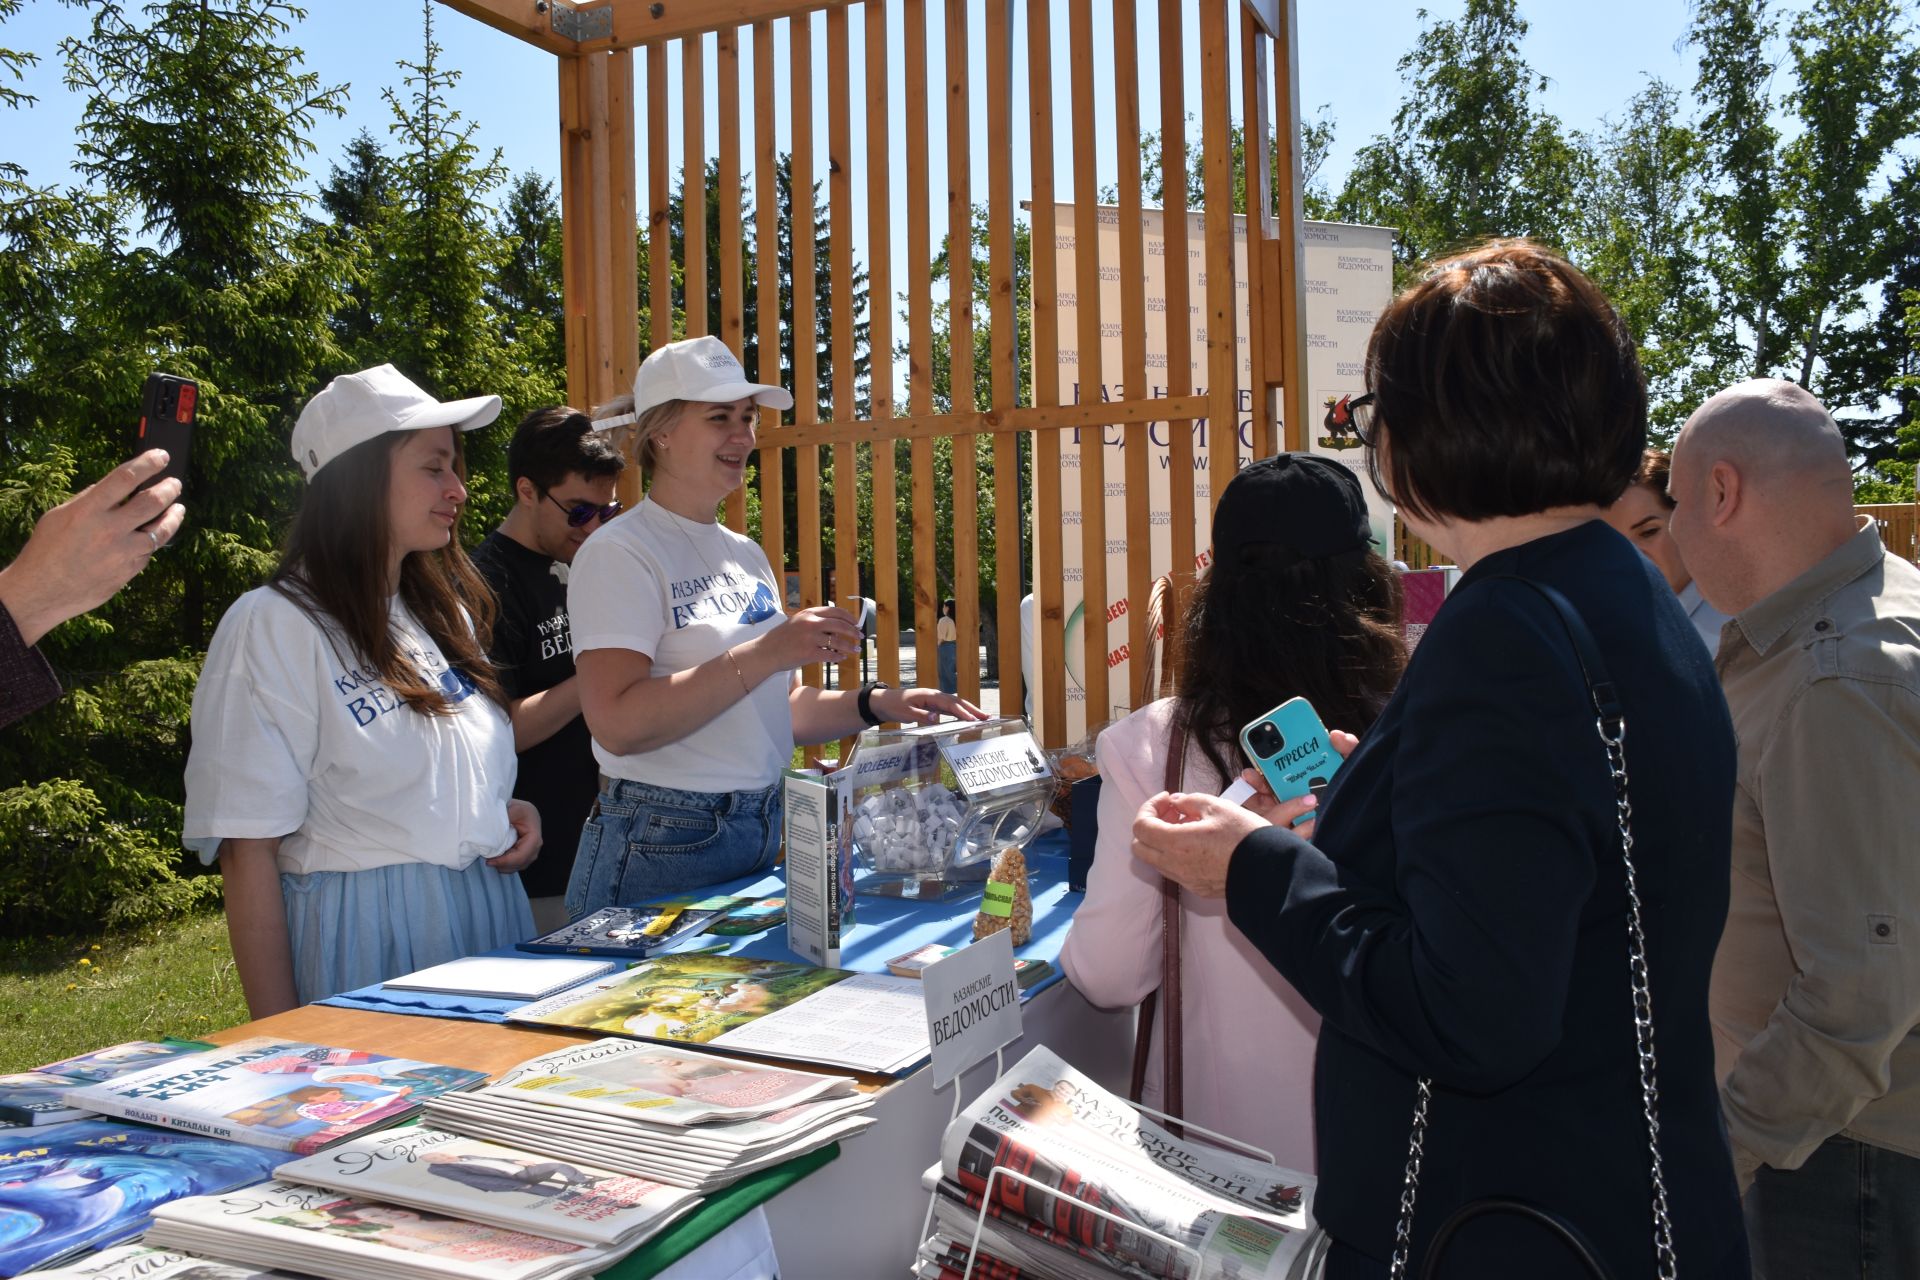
(273,1093)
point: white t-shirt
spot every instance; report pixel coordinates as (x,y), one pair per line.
(292,739)
(682,592)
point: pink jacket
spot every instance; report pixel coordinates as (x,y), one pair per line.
(1249,1036)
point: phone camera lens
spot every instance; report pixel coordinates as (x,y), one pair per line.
(1266,740)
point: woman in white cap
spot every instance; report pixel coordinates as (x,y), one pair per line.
(352,765)
(687,663)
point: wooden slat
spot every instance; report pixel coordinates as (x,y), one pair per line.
(806,371)
(926,586)
(576,260)
(1179,325)
(846,471)
(1048,421)
(659,203)
(623,271)
(1133,346)
(886,534)
(1008,542)
(693,183)
(1289,306)
(1050,667)
(733,317)
(525,20)
(766,239)
(966,487)
(1086,263)
(1216,86)
(1255,127)
(600,229)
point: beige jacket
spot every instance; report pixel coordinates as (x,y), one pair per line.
(1816,985)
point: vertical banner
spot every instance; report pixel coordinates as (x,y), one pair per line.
(1349,280)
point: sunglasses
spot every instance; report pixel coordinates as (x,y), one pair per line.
(581,514)
(1352,415)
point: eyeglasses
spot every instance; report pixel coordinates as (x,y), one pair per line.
(581,514)
(1352,415)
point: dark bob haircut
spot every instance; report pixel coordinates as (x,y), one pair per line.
(1504,383)
(551,444)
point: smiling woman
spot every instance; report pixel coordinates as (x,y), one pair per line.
(687,663)
(352,759)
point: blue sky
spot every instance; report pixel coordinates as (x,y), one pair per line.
(1595,57)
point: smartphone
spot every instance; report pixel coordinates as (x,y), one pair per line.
(168,406)
(1292,750)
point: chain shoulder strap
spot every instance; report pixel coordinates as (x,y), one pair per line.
(1611,723)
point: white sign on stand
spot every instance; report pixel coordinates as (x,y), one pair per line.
(973,1005)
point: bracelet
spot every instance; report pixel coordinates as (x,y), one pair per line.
(865,701)
(744,686)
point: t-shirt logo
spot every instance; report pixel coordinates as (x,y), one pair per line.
(761,607)
(455,685)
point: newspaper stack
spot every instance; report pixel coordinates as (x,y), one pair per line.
(137,1262)
(324,1233)
(1168,1207)
(673,1116)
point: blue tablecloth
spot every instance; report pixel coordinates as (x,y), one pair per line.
(882,929)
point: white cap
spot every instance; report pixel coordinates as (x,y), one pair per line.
(356,407)
(701,369)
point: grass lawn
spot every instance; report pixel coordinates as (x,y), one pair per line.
(65,995)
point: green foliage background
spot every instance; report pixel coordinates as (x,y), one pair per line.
(1763,221)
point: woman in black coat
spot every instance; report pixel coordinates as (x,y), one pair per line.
(1461,913)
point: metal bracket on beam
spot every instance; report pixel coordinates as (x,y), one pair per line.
(580,25)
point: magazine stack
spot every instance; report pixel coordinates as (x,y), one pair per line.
(1104,1191)
(139,1262)
(668,1115)
(342,1237)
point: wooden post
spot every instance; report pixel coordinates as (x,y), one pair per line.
(1049,588)
(1173,166)
(1133,345)
(1007,541)
(766,221)
(1223,363)
(886,495)
(806,369)
(1093,444)
(1287,304)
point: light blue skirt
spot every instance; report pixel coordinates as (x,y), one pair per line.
(351,929)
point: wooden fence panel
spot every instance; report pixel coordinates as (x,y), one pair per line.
(806,374)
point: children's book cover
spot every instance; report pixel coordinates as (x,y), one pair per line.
(34,1097)
(275,1093)
(93,1183)
(687,998)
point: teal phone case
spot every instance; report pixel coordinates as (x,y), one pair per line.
(1292,750)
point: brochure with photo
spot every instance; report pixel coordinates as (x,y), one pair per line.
(501,1186)
(869,1022)
(275,1093)
(660,1084)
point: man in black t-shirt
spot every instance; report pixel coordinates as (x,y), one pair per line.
(563,476)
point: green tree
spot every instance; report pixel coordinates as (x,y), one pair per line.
(188,252)
(1639,238)
(355,196)
(526,293)
(1471,153)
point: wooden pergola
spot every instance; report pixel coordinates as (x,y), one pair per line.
(596,47)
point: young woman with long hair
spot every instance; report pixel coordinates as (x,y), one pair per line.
(1296,604)
(352,765)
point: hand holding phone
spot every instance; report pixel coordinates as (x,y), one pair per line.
(1292,750)
(169,406)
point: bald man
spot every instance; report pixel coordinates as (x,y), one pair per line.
(1816,985)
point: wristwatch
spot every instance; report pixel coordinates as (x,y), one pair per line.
(865,700)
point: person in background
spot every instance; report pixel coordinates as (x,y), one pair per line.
(688,666)
(79,554)
(1816,989)
(1460,916)
(946,635)
(1641,515)
(1296,603)
(352,764)
(563,474)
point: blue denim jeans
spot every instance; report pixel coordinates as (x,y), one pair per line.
(1852,1210)
(644,842)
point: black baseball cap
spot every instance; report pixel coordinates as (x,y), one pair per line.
(1301,501)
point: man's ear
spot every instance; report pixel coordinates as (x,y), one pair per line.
(523,490)
(1726,490)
